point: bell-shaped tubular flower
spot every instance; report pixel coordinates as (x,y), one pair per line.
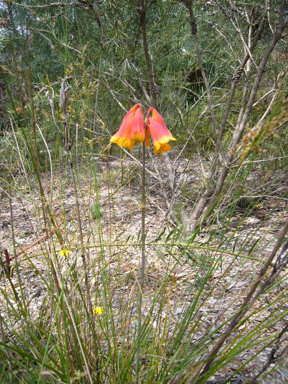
(132,128)
(158,131)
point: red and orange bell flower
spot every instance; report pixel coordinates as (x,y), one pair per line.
(134,129)
(161,136)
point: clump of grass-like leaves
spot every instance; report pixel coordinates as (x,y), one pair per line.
(215,297)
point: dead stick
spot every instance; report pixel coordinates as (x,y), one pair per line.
(7,259)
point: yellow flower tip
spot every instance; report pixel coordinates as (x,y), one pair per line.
(163,148)
(64,252)
(97,310)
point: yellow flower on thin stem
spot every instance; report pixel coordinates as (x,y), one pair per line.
(97,310)
(64,252)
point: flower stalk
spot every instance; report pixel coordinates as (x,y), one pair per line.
(143,259)
(135,129)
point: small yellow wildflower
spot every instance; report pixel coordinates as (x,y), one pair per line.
(64,252)
(98,310)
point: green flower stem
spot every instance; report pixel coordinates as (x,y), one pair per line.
(142,262)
